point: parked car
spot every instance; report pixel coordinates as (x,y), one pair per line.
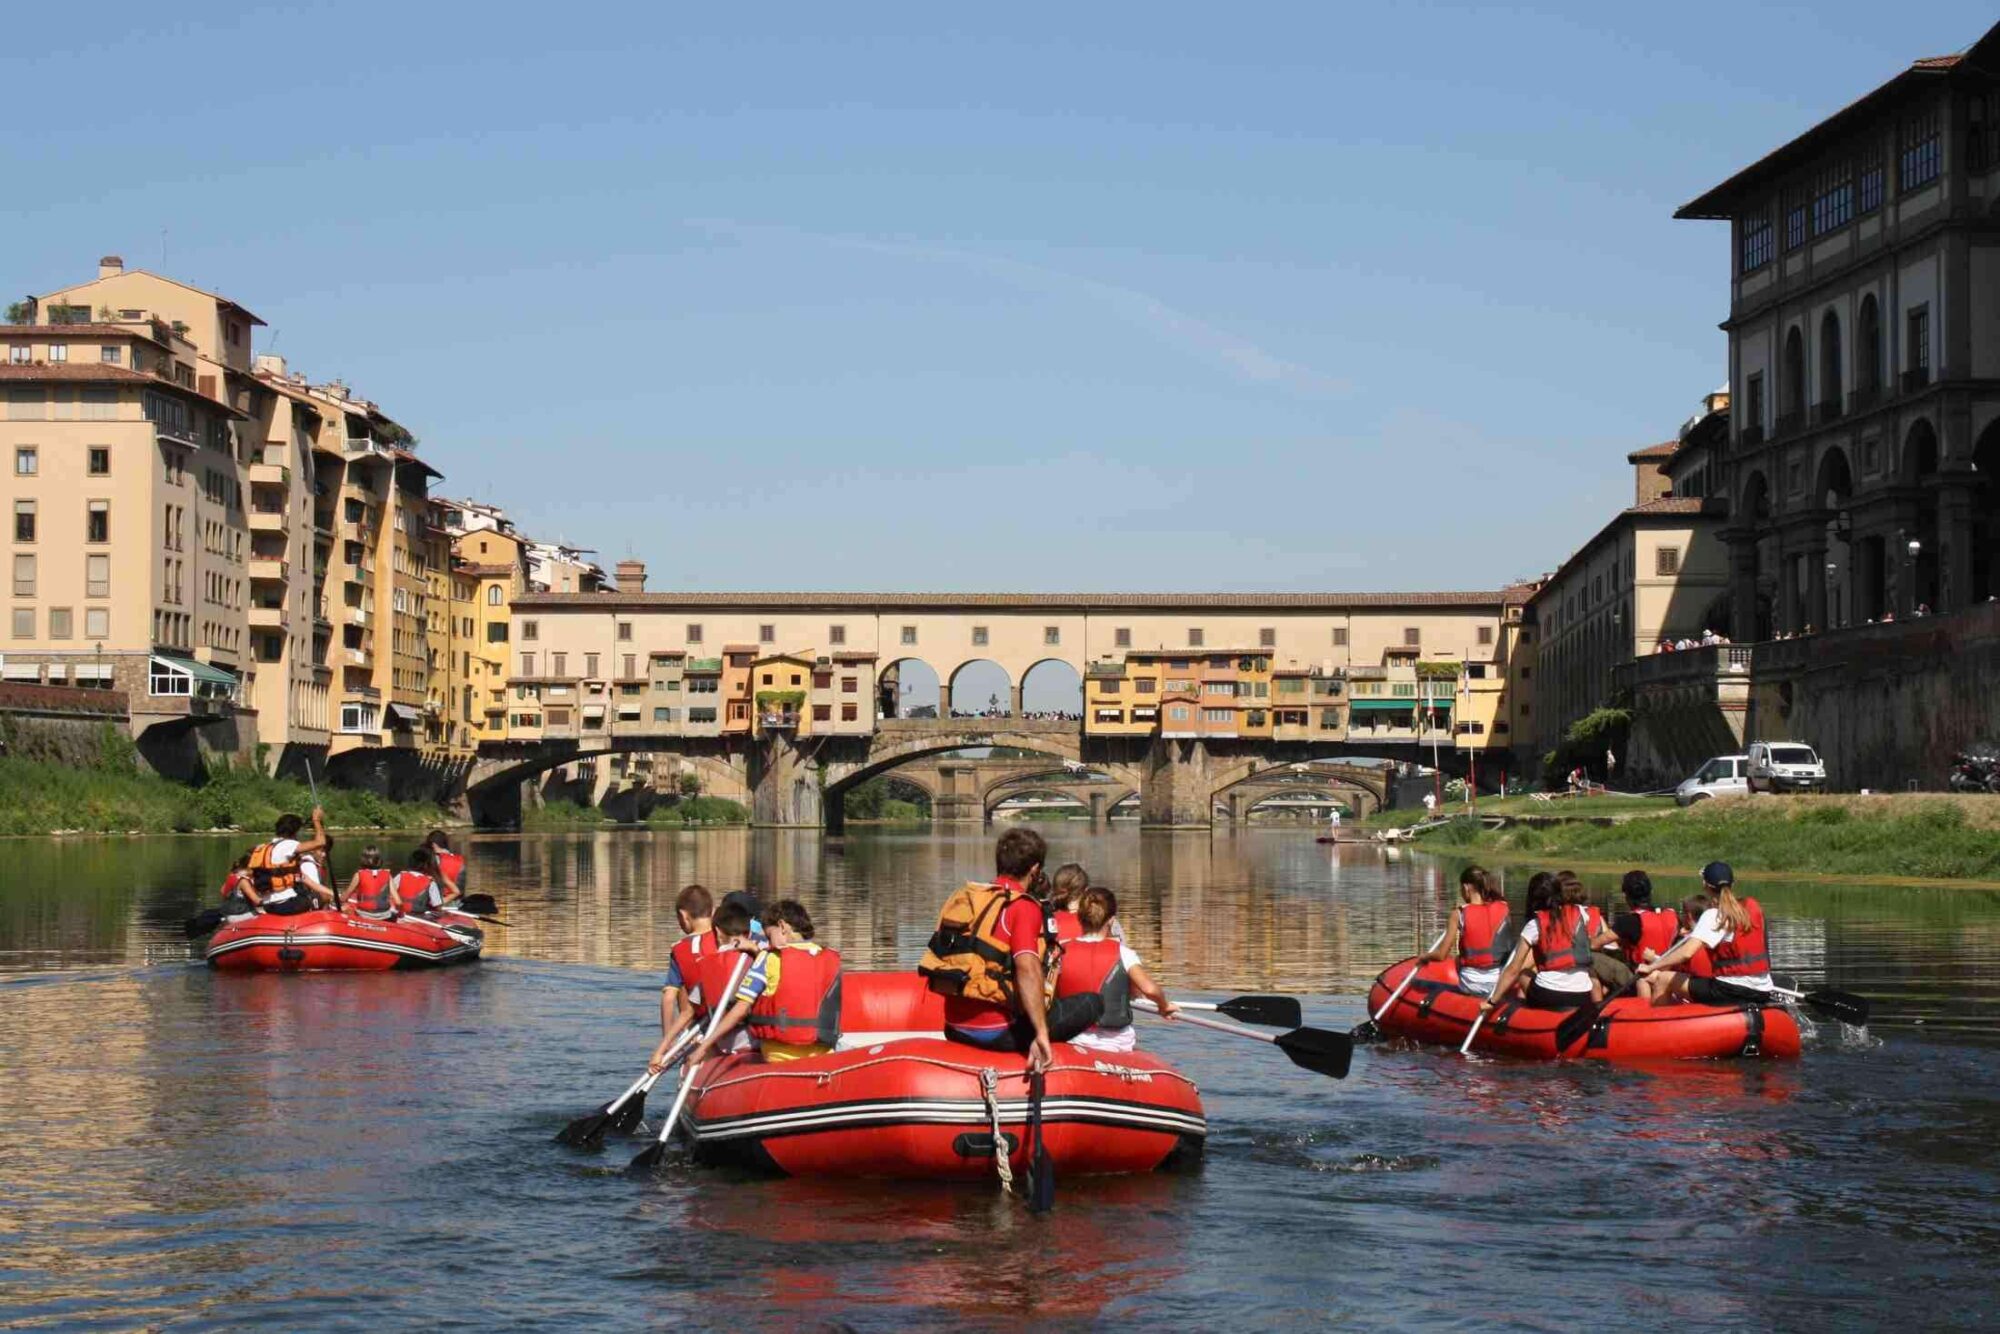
(1785,766)
(1723,776)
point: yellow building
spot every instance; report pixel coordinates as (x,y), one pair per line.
(1118,701)
(780,685)
(490,570)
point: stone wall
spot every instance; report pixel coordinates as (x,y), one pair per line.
(59,724)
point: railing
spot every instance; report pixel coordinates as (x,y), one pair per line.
(1829,411)
(1752,435)
(1682,666)
(1916,378)
(364,445)
(1789,423)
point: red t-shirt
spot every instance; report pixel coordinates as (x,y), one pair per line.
(1021,928)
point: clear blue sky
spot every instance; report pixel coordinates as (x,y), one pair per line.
(1103,297)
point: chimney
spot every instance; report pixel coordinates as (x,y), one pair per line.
(631,576)
(271,364)
(110,266)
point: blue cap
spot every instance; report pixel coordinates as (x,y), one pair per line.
(1718,874)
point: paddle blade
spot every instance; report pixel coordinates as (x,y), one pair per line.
(1319,1050)
(477,904)
(649,1158)
(1270,1011)
(1041,1168)
(1365,1031)
(585,1128)
(627,1118)
(1576,1026)
(1845,1006)
(202,923)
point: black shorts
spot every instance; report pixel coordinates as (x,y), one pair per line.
(1541,998)
(1066,1018)
(301,901)
(1721,991)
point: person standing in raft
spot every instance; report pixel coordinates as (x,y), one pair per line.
(681,1001)
(1479,933)
(1644,931)
(450,865)
(798,1012)
(1557,940)
(990,955)
(1733,931)
(274,867)
(367,893)
(1096,961)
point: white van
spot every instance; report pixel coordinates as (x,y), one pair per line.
(1723,776)
(1785,766)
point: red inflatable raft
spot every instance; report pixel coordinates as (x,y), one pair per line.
(899,1101)
(333,941)
(1434,1010)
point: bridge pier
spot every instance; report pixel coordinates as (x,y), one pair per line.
(1100,811)
(1175,784)
(1236,808)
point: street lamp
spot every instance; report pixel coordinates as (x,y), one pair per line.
(1916,550)
(1833,596)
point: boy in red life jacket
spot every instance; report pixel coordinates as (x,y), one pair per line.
(450,865)
(1097,962)
(681,1000)
(415,891)
(1645,932)
(733,938)
(799,1013)
(367,892)
(1738,947)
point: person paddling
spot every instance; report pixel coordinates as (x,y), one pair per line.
(450,865)
(1733,931)
(367,892)
(799,1013)
(235,903)
(1479,933)
(733,938)
(274,866)
(1645,932)
(681,1001)
(415,890)
(1097,962)
(1556,940)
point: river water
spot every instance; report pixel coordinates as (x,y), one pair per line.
(183,1148)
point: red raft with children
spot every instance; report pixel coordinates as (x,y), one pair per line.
(326,940)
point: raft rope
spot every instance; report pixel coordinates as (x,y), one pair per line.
(825,1077)
(989,1089)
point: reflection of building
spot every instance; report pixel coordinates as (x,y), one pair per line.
(1864,353)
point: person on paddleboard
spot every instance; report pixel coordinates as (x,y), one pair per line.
(1480,933)
(1739,954)
(1098,961)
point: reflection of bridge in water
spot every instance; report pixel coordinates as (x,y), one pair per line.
(804,781)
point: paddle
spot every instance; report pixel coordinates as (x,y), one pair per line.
(203,923)
(1371,1028)
(1319,1050)
(473,905)
(1573,1028)
(1270,1011)
(1041,1168)
(623,1112)
(650,1156)
(1845,1006)
(313,786)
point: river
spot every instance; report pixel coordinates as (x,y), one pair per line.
(180,1147)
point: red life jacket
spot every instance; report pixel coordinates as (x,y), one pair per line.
(414,889)
(1485,937)
(714,970)
(805,1005)
(1098,966)
(1744,955)
(1659,928)
(231,885)
(371,891)
(1068,925)
(1561,945)
(687,954)
(1593,920)
(1700,964)
(451,866)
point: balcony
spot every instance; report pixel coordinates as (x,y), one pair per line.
(1916,378)
(268,618)
(1751,436)
(1865,400)
(362,446)
(355,615)
(1829,411)
(1789,423)
(270,567)
(270,474)
(267,521)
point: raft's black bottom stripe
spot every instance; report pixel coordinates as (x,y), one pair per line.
(380,946)
(881,1112)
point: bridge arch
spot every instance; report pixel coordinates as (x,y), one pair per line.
(909,686)
(1051,685)
(1373,780)
(978,685)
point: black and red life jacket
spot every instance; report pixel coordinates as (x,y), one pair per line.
(371,891)
(451,866)
(1562,941)
(1485,935)
(1659,928)
(414,889)
(805,1005)
(1098,966)
(715,969)
(1744,954)
(687,954)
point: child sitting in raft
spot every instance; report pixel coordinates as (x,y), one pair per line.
(733,941)
(1479,933)
(235,903)
(1098,960)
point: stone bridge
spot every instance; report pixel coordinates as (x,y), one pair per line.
(802,781)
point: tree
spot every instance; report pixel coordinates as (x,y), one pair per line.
(20,312)
(690,783)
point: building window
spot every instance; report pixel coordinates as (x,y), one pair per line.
(1795,225)
(822,713)
(96,622)
(1667,560)
(24,576)
(530,631)
(624,632)
(20,354)
(110,354)
(27,461)
(1413,637)
(97,576)
(24,521)
(979,636)
(100,461)
(694,632)
(58,352)
(1833,198)
(1340,636)
(631,666)
(1122,637)
(24,622)
(1872,181)
(909,634)
(1757,243)
(1918,357)
(663,715)
(1052,634)
(61,623)
(559,664)
(850,685)
(495,595)
(1194,638)
(527,664)
(1753,403)
(1921,152)
(836,634)
(850,713)
(767,634)
(1486,634)
(97,522)
(590,666)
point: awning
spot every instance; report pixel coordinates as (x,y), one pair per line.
(200,671)
(403,716)
(1384,704)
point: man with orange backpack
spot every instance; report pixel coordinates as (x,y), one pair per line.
(991,955)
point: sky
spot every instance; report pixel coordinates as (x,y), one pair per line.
(1162,297)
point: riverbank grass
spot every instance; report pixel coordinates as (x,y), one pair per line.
(1609,806)
(1920,837)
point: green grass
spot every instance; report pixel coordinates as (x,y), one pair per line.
(40,798)
(1928,839)
(1561,808)
(698,811)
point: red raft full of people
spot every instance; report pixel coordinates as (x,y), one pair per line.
(896,1100)
(327,940)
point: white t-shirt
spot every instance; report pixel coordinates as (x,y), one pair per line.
(1554,979)
(1711,931)
(284,852)
(1101,1038)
